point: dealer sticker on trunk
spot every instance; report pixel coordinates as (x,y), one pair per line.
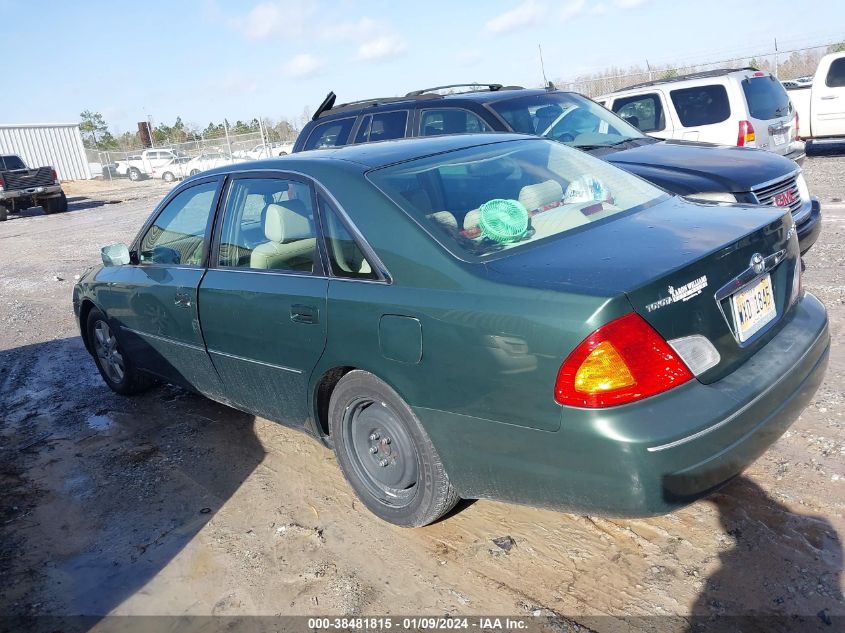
(681,293)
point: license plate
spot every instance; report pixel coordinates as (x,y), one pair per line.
(753,308)
(780,139)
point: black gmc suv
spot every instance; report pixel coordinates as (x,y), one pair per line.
(699,171)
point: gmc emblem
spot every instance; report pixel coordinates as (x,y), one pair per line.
(784,199)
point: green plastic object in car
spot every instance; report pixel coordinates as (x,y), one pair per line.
(503,220)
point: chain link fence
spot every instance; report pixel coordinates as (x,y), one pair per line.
(784,64)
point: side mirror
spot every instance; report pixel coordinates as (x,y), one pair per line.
(115,255)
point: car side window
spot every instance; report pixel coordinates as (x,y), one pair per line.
(330,134)
(836,74)
(642,111)
(451,121)
(382,127)
(346,258)
(177,236)
(268,224)
(701,105)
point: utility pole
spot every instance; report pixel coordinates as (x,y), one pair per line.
(776,58)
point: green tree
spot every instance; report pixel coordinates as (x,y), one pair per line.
(95,131)
(837,48)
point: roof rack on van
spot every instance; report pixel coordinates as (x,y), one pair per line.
(475,87)
(328,106)
(703,74)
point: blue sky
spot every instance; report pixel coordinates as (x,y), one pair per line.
(208,59)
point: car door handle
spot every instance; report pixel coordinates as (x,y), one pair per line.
(304,314)
(828,97)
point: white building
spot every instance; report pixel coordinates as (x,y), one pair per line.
(56,144)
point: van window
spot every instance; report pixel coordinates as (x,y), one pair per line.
(450,121)
(766,97)
(701,105)
(642,111)
(382,127)
(330,134)
(836,75)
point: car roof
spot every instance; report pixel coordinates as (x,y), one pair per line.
(377,154)
(410,100)
(704,74)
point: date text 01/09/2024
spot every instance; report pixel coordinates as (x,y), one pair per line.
(419,623)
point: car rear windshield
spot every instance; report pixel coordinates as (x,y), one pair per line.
(766,97)
(12,162)
(482,201)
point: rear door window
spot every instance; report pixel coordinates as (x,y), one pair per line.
(642,111)
(766,97)
(382,127)
(451,121)
(836,75)
(701,105)
(330,134)
(12,162)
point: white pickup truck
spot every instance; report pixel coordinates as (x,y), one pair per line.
(821,104)
(137,167)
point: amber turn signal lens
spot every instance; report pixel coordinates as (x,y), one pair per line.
(603,370)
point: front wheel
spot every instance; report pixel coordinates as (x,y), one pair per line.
(194,172)
(385,454)
(168,177)
(134,174)
(115,367)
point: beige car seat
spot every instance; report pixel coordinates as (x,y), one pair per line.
(291,243)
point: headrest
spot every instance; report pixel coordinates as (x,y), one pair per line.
(541,194)
(444,218)
(286,221)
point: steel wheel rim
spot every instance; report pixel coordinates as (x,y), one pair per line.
(108,354)
(382,453)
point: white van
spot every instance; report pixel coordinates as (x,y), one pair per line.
(745,107)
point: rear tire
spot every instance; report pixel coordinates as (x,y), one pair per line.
(114,365)
(55,205)
(194,172)
(168,177)
(385,454)
(4,213)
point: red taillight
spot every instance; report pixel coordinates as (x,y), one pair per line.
(746,134)
(797,128)
(55,176)
(2,182)
(623,361)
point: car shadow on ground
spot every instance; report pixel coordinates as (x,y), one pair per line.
(781,573)
(75,203)
(99,491)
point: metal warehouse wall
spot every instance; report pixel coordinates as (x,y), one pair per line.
(58,145)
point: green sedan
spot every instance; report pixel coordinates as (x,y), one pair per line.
(472,316)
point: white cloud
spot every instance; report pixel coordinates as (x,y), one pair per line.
(628,4)
(572,9)
(303,65)
(382,48)
(526,14)
(282,18)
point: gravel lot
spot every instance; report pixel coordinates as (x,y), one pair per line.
(171,504)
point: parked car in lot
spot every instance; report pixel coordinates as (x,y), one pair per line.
(744,107)
(821,103)
(122,166)
(267,150)
(209,160)
(702,171)
(22,188)
(176,169)
(141,166)
(472,316)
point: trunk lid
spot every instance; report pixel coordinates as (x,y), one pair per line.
(671,260)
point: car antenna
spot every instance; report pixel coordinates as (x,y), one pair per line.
(327,104)
(543,66)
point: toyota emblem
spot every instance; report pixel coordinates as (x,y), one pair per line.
(758,264)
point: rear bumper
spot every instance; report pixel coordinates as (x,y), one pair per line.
(33,193)
(810,228)
(650,457)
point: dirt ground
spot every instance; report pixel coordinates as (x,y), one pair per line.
(170,504)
